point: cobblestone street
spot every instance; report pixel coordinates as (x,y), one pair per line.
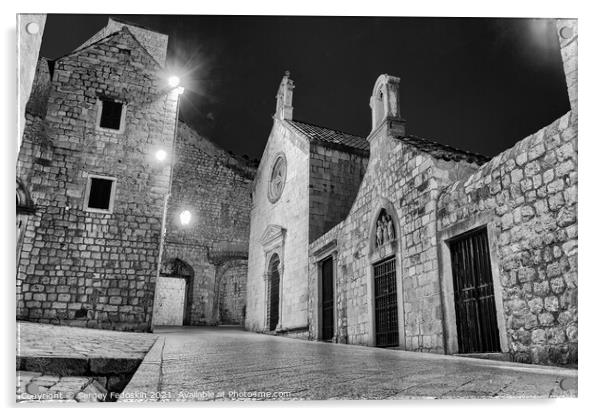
(217,363)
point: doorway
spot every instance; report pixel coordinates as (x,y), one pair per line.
(474,300)
(274,292)
(385,304)
(327,292)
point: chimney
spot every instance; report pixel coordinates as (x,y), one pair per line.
(284,98)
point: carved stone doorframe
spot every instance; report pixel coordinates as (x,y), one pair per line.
(272,240)
(377,253)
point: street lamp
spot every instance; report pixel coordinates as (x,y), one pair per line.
(161,155)
(173,81)
(185,217)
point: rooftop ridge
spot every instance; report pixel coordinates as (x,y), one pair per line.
(476,157)
(328,128)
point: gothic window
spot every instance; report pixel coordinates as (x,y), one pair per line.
(385,229)
(277,179)
(100,194)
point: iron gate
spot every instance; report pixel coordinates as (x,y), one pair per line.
(274,295)
(327,300)
(385,304)
(476,318)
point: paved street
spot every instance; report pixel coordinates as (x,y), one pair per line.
(211,363)
(41,340)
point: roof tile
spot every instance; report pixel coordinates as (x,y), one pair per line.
(324,134)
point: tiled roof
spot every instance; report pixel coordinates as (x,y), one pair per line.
(326,135)
(436,150)
(442,151)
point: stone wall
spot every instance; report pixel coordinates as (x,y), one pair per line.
(233,294)
(405,182)
(215,187)
(529,196)
(335,177)
(87,268)
(169,302)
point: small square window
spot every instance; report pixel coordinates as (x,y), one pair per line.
(99,196)
(111,114)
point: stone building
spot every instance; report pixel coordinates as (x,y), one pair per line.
(305,184)
(441,250)
(97,207)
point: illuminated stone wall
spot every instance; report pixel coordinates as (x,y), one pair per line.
(215,187)
(84,268)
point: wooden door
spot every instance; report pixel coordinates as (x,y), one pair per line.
(327,300)
(476,317)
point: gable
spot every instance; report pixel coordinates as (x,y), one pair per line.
(122,40)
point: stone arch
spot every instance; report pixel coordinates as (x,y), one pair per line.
(384,211)
(229,306)
(388,254)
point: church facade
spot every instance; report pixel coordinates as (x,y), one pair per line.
(441,250)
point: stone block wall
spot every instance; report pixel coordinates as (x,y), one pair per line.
(215,187)
(335,177)
(529,196)
(233,294)
(87,268)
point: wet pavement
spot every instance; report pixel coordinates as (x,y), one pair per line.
(229,363)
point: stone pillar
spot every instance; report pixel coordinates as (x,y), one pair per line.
(567,37)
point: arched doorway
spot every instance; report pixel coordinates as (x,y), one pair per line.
(385,282)
(273,292)
(174,294)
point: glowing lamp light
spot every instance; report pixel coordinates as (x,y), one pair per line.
(185,217)
(173,81)
(161,155)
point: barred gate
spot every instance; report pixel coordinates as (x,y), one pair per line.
(385,304)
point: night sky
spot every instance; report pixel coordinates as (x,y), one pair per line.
(476,84)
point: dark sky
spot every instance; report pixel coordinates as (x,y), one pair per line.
(473,83)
